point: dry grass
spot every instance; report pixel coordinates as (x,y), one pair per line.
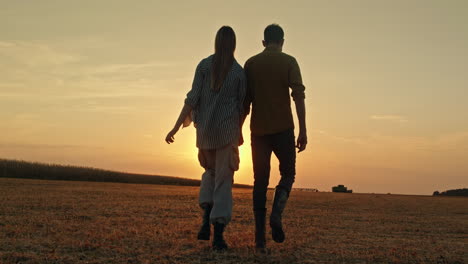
(84,222)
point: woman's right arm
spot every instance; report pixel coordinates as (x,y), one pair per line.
(183,114)
(191,102)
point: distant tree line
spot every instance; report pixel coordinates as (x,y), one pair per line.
(455,192)
(306,189)
(36,170)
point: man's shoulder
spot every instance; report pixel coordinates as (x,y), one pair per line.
(252,59)
(288,57)
(263,55)
(289,60)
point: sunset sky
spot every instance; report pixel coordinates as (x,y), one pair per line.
(100,83)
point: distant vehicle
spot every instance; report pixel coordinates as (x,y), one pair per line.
(341,188)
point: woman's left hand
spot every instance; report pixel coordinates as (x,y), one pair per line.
(170,136)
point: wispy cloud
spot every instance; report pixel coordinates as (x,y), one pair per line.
(129,67)
(322,133)
(27,65)
(455,140)
(34,54)
(4,44)
(393,118)
(110,109)
(41,146)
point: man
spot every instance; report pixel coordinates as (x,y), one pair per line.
(270,75)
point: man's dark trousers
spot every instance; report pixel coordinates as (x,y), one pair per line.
(283,145)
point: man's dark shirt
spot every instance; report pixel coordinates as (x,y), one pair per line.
(270,74)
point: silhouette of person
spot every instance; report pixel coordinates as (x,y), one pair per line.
(270,75)
(215,103)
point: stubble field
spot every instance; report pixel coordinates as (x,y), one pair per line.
(87,222)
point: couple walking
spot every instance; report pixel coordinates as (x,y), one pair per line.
(218,104)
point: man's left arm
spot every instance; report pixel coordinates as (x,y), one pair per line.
(298,95)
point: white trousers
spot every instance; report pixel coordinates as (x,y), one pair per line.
(217,180)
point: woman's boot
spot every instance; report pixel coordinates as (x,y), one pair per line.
(279,203)
(218,240)
(204,233)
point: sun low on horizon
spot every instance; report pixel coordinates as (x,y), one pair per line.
(386,86)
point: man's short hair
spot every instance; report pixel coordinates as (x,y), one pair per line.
(273,34)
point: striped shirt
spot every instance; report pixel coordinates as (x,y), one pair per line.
(217,115)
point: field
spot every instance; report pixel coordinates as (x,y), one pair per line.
(45,221)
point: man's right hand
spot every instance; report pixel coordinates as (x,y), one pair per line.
(301,142)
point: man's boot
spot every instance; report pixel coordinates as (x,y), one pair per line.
(260,241)
(218,241)
(204,233)
(279,203)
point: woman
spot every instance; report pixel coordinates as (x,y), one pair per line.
(215,103)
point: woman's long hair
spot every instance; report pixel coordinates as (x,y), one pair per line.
(225,44)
